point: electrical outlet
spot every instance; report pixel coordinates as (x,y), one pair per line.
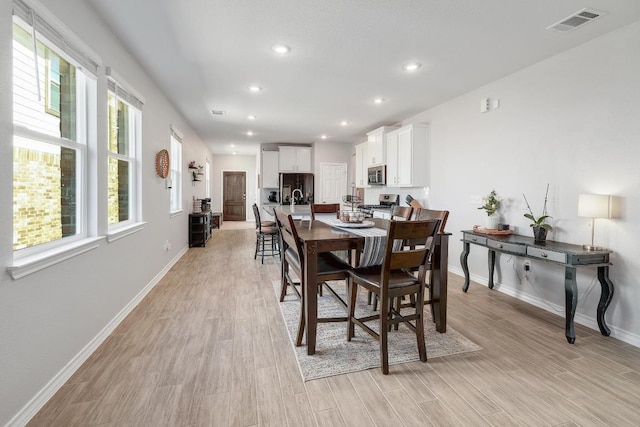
(167,245)
(527,266)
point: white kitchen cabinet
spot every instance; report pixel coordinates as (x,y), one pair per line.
(270,170)
(407,156)
(295,159)
(360,178)
(376,145)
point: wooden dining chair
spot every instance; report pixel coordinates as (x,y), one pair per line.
(330,267)
(392,280)
(267,240)
(325,208)
(401,212)
(426,214)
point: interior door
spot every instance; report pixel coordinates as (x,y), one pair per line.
(333,182)
(234,194)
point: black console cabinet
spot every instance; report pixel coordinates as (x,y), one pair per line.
(199,229)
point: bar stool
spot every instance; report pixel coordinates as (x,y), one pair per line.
(267,237)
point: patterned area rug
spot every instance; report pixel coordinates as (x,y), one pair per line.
(335,355)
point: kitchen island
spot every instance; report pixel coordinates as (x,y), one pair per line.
(298,211)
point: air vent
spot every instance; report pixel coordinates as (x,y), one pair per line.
(218,112)
(576,20)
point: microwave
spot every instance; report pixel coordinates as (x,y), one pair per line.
(377,175)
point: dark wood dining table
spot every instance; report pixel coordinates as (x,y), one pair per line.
(317,237)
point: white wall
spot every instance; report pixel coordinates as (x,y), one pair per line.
(571,121)
(49,318)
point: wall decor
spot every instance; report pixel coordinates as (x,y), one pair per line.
(162,163)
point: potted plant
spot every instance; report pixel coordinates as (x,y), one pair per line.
(539,224)
(491,205)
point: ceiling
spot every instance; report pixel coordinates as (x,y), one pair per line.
(204,54)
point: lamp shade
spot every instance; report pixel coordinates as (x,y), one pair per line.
(594,205)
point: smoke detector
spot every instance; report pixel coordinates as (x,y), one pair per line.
(576,20)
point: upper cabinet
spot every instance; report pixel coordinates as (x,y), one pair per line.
(362,162)
(295,159)
(376,145)
(407,156)
(270,177)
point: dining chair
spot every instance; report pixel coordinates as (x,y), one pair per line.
(330,267)
(392,280)
(325,208)
(267,240)
(401,212)
(422,214)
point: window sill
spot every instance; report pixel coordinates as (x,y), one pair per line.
(24,266)
(175,213)
(120,232)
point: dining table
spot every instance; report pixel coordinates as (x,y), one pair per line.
(327,235)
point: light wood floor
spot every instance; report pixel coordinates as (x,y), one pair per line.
(208,347)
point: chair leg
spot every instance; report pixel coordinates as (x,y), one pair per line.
(301,323)
(255,253)
(384,330)
(422,348)
(352,291)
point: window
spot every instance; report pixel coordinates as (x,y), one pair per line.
(207,179)
(125,138)
(54,104)
(175,163)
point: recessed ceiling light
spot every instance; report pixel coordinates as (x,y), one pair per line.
(250,133)
(379,100)
(234,153)
(251,117)
(411,66)
(323,136)
(232,145)
(254,88)
(344,123)
(280,48)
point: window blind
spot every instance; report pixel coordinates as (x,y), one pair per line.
(122,91)
(56,33)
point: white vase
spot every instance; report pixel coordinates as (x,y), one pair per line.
(491,222)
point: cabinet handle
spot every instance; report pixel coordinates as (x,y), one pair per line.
(499,246)
(543,255)
(474,239)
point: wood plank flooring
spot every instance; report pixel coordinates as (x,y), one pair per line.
(208,347)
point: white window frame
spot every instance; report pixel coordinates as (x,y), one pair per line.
(123,92)
(207,178)
(175,165)
(64,43)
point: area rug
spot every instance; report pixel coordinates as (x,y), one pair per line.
(335,355)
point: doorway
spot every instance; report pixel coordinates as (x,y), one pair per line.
(333,183)
(234,195)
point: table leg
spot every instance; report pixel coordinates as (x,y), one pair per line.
(605,298)
(465,267)
(492,267)
(311,294)
(571,300)
(440,267)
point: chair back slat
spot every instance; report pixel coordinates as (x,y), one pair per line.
(256,215)
(289,233)
(403,258)
(424,214)
(325,208)
(398,212)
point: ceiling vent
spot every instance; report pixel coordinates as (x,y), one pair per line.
(218,112)
(576,20)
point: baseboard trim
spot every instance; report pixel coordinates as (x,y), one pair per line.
(43,396)
(581,319)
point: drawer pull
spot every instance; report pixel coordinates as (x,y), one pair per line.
(475,239)
(543,255)
(500,246)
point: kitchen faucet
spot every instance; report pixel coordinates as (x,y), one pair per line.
(293,197)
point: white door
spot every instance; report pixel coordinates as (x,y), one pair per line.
(333,183)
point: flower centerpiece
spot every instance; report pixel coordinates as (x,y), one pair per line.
(491,205)
(539,224)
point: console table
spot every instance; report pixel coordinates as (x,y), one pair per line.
(563,254)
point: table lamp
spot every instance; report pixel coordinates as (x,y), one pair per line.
(594,206)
